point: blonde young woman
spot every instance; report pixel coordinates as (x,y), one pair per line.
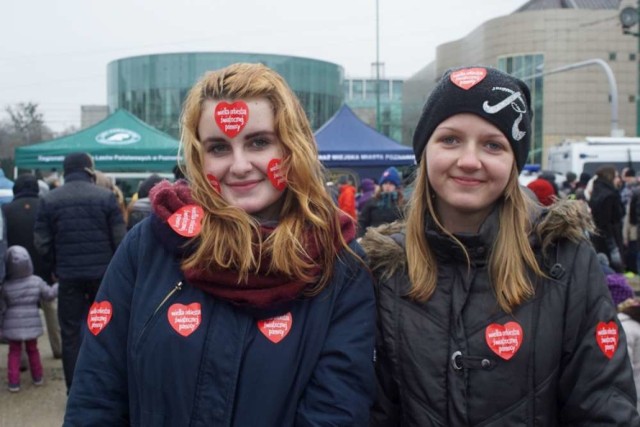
(242,300)
(492,311)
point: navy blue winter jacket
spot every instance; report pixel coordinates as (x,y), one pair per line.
(78,228)
(160,352)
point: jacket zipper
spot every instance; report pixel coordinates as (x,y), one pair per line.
(177,287)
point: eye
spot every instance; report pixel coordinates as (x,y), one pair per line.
(495,146)
(448,140)
(260,143)
(218,148)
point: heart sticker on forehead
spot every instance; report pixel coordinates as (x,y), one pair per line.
(231,118)
(468,77)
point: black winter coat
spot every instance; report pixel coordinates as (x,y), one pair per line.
(608,213)
(78,228)
(458,360)
(20,217)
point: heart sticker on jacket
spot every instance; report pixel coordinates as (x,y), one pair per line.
(185,319)
(187,221)
(504,340)
(276,328)
(607,337)
(99,316)
(231,118)
(274,173)
(468,77)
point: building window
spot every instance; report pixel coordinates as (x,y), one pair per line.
(632,99)
(612,56)
(632,57)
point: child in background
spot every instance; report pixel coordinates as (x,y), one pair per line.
(20,294)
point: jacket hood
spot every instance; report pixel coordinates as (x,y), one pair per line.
(565,219)
(19,263)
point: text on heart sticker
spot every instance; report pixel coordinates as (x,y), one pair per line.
(607,337)
(185,319)
(274,173)
(504,340)
(187,221)
(231,118)
(468,77)
(276,328)
(99,316)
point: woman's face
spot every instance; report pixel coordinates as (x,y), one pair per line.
(240,147)
(469,162)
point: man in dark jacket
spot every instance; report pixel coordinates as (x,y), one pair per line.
(78,228)
(20,218)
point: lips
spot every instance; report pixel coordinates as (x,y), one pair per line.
(467,181)
(244,185)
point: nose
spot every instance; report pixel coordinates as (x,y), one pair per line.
(469,158)
(241,164)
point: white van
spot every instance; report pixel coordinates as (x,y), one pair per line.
(593,152)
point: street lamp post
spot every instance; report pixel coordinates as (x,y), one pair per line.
(629,16)
(378,127)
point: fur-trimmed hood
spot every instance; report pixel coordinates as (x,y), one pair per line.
(565,219)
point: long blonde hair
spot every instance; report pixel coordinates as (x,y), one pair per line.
(510,256)
(230,238)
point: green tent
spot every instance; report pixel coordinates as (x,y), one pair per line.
(119,143)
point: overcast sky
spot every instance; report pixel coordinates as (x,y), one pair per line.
(55,52)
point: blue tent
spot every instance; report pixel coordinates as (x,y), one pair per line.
(345,141)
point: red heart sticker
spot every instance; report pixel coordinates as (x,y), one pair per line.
(231,118)
(504,340)
(468,77)
(214,182)
(275,175)
(607,337)
(99,316)
(185,319)
(276,328)
(187,221)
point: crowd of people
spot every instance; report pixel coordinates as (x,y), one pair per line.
(251,293)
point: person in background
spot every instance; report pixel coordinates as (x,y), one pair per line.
(491,309)
(347,196)
(608,214)
(20,217)
(543,191)
(21,292)
(627,184)
(367,191)
(244,291)
(141,208)
(103,180)
(386,206)
(568,187)
(78,227)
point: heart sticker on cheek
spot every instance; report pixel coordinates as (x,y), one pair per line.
(231,118)
(187,221)
(99,316)
(214,183)
(275,175)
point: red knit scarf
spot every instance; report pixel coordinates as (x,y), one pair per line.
(262,290)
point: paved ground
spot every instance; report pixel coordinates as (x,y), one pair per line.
(33,406)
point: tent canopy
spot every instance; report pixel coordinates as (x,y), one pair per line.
(347,141)
(119,143)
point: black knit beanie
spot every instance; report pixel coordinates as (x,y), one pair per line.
(78,162)
(495,96)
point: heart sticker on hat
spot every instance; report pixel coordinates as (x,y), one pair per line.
(275,174)
(185,319)
(187,221)
(214,182)
(231,118)
(504,340)
(276,328)
(607,337)
(99,316)
(468,77)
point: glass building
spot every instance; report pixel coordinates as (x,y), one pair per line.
(361,96)
(153,87)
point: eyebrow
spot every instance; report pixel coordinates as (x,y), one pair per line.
(486,135)
(213,139)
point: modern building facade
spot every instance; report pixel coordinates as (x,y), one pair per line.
(540,37)
(92,114)
(361,96)
(153,87)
